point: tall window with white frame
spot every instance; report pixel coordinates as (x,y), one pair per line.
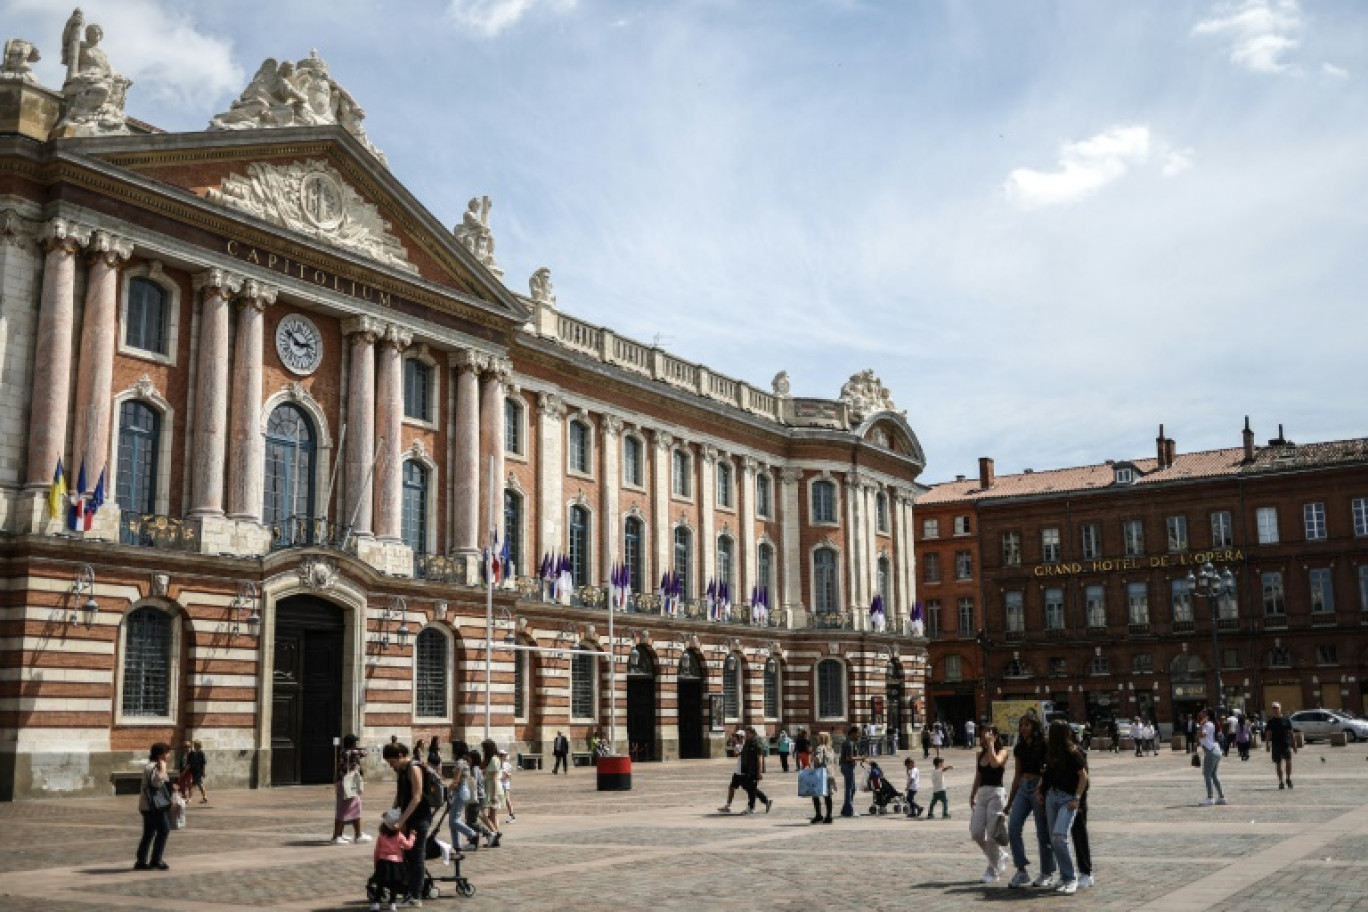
(633,462)
(683,559)
(881,511)
(764,568)
(1014,609)
(931,571)
(147,663)
(724,482)
(1313,515)
(413,522)
(731,688)
(831,703)
(1322,592)
(633,536)
(1095,603)
(1358,507)
(1177,534)
(519,684)
(772,697)
(1363,588)
(1266,521)
(1011,549)
(964,565)
(930,528)
(139,442)
(726,562)
(681,474)
(581,451)
(933,618)
(1228,605)
(1054,609)
(583,684)
(1222,532)
(513,529)
(1275,604)
(1181,598)
(417,390)
(1090,541)
(1133,535)
(825,593)
(965,608)
(513,428)
(963,525)
(885,584)
(764,507)
(1049,546)
(430,675)
(146,316)
(823,501)
(1137,604)
(579,545)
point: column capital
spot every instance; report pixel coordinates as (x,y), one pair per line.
(612,425)
(468,359)
(499,368)
(14,229)
(368,328)
(62,234)
(551,405)
(750,465)
(109,248)
(790,474)
(257,295)
(396,336)
(710,454)
(217,282)
(663,439)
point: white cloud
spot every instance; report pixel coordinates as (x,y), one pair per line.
(1329,69)
(1260,32)
(490,17)
(1176,161)
(1084,168)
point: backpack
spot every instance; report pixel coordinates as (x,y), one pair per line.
(434,791)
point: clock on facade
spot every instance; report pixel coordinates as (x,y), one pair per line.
(299,344)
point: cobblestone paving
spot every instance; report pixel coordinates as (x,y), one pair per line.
(664,847)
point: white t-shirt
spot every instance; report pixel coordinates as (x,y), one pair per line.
(507,777)
(936,738)
(938,780)
(1208,736)
(913,779)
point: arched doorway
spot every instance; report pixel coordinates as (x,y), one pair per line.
(306,704)
(893,690)
(690,704)
(641,704)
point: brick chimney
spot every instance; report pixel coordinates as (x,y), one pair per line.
(1248,435)
(1170,451)
(986,476)
(1161,449)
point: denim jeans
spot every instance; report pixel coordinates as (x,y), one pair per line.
(1081,847)
(1210,762)
(1061,820)
(848,805)
(156,827)
(1024,805)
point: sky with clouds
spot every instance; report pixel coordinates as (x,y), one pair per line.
(1047,226)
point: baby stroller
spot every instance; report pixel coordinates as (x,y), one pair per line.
(431,852)
(886,797)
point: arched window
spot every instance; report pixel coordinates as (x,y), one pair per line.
(632,531)
(289,481)
(831,703)
(823,502)
(885,575)
(145,323)
(724,482)
(633,462)
(772,688)
(579,545)
(764,571)
(513,528)
(726,563)
(825,594)
(681,474)
(147,663)
(519,684)
(683,558)
(731,687)
(414,522)
(583,684)
(513,435)
(430,673)
(881,511)
(580,452)
(763,506)
(139,439)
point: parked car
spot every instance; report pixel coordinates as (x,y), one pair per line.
(1317,724)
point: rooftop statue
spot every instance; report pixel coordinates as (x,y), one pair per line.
(94,94)
(542,292)
(865,395)
(18,55)
(475,235)
(299,94)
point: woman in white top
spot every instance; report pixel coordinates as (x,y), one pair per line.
(1211,759)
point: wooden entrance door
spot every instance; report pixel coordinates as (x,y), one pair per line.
(307,701)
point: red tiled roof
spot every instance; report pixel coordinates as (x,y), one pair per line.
(1208,464)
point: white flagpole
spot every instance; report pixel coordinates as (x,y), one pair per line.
(370,473)
(337,464)
(489,607)
(612,678)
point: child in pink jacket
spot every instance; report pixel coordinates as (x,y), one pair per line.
(390,879)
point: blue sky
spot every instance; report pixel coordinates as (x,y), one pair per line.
(1048,227)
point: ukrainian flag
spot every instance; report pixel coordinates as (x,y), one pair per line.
(57,492)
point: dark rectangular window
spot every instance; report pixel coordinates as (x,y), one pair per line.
(417,390)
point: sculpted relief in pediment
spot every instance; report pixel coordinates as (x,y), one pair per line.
(310,197)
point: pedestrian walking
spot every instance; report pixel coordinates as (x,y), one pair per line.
(475,799)
(987,798)
(197,762)
(824,758)
(1232,727)
(506,783)
(434,755)
(154,800)
(1242,735)
(493,800)
(738,777)
(1137,735)
(1278,741)
(802,747)
(785,748)
(969,733)
(460,796)
(1064,779)
(1113,732)
(912,787)
(349,783)
(849,757)
(1079,832)
(1190,732)
(1029,757)
(415,815)
(938,792)
(753,768)
(560,749)
(926,743)
(1211,759)
(937,738)
(185,782)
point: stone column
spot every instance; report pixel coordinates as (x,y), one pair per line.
(389,428)
(216,288)
(908,552)
(466,472)
(99,338)
(746,579)
(792,565)
(707,515)
(609,478)
(492,393)
(247,457)
(52,355)
(901,603)
(870,529)
(363,332)
(550,475)
(854,596)
(661,533)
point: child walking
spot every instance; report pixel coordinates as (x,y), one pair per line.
(390,878)
(913,783)
(938,789)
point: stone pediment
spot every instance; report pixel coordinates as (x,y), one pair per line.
(312,198)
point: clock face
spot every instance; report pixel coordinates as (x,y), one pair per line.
(299,345)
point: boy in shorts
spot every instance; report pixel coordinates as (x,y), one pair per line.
(913,782)
(938,789)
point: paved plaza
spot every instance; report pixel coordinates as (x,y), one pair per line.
(663,846)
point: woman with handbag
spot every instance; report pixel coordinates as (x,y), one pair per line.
(987,799)
(823,760)
(153,802)
(349,783)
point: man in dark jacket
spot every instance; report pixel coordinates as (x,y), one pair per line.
(752,767)
(560,749)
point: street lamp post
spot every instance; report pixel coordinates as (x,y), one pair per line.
(1213,586)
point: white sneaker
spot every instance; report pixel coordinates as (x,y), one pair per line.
(748,811)
(1019,880)
(724,809)
(364,837)
(340,840)
(990,875)
(1220,801)
(1043,881)
(1205,802)
(1068,887)
(1002,862)
(1086,880)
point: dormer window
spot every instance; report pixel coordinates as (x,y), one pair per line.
(1125,475)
